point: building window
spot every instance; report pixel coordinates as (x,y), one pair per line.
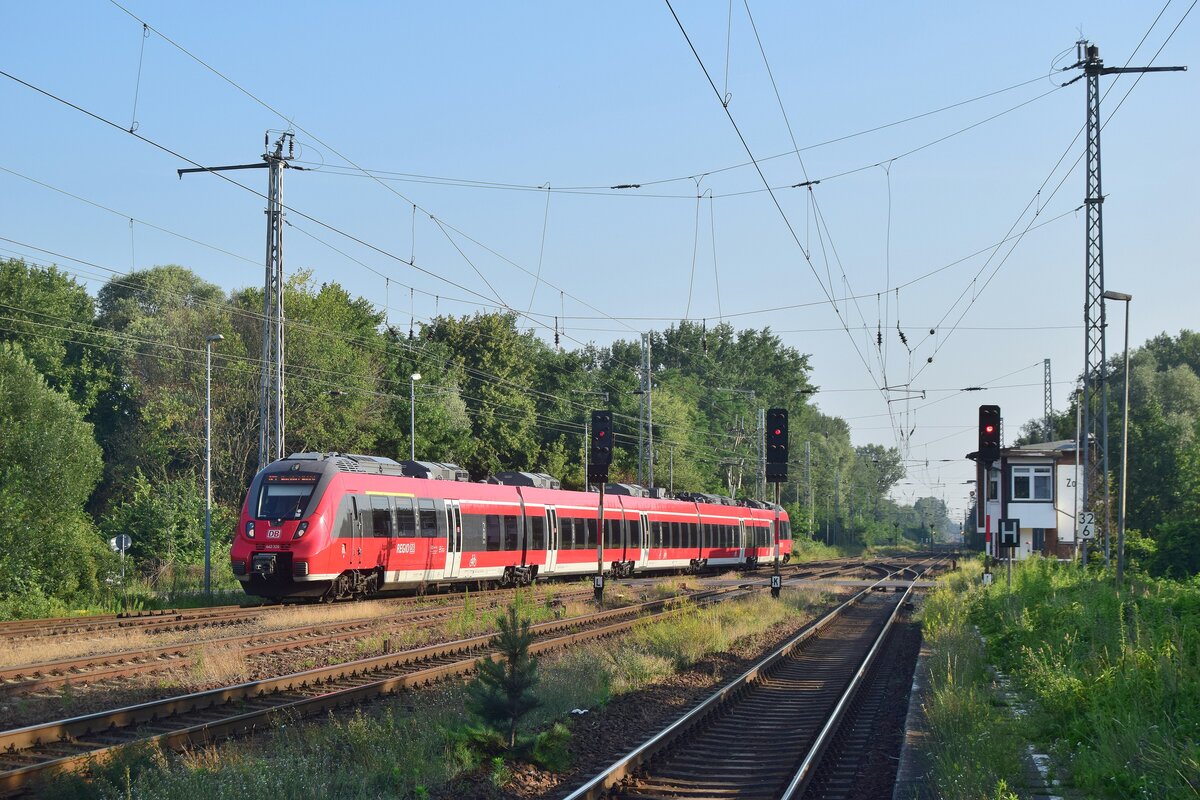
(1032,483)
(993,487)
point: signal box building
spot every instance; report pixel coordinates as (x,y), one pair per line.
(1036,484)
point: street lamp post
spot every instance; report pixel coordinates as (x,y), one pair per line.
(208,343)
(1124,298)
(412,415)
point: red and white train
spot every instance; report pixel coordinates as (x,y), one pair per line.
(333,526)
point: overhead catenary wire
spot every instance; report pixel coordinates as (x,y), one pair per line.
(749,152)
(608,186)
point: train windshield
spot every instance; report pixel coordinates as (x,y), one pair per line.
(286,495)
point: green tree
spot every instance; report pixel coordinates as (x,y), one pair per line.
(165,519)
(152,418)
(51,315)
(498,365)
(442,418)
(502,693)
(49,464)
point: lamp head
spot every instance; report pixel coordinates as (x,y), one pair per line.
(216,337)
(416,376)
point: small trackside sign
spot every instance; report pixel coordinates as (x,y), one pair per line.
(1085,525)
(1010,533)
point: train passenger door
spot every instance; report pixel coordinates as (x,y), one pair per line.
(360,507)
(743,545)
(453,538)
(551,539)
(645,530)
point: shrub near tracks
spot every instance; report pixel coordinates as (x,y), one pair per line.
(1115,679)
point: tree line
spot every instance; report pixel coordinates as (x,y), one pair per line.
(102,413)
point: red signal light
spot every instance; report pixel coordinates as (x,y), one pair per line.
(778,431)
(989,428)
(600,434)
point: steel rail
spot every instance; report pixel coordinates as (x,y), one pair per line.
(812,758)
(629,764)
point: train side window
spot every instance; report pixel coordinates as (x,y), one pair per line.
(537,532)
(566,533)
(428,520)
(494,532)
(511,534)
(635,534)
(406,523)
(367,515)
(345,520)
(590,541)
(439,510)
(381,514)
(473,535)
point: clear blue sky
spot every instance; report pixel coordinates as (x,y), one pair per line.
(585,94)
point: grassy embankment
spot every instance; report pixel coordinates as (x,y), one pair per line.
(1113,681)
(406,746)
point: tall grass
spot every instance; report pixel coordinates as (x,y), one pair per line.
(1114,678)
(974,745)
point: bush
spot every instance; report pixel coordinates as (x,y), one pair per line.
(49,464)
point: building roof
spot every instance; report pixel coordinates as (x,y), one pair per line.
(1046,449)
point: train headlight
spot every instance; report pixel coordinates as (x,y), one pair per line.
(301,529)
(250,529)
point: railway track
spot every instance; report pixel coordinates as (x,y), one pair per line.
(168,619)
(162,620)
(37,677)
(33,752)
(764,734)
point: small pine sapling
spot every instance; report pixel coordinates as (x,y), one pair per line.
(502,692)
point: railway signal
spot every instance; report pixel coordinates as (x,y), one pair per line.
(601,454)
(989,433)
(601,459)
(777,445)
(776,469)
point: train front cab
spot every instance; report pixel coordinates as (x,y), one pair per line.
(282,528)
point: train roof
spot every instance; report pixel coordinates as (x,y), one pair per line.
(449,481)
